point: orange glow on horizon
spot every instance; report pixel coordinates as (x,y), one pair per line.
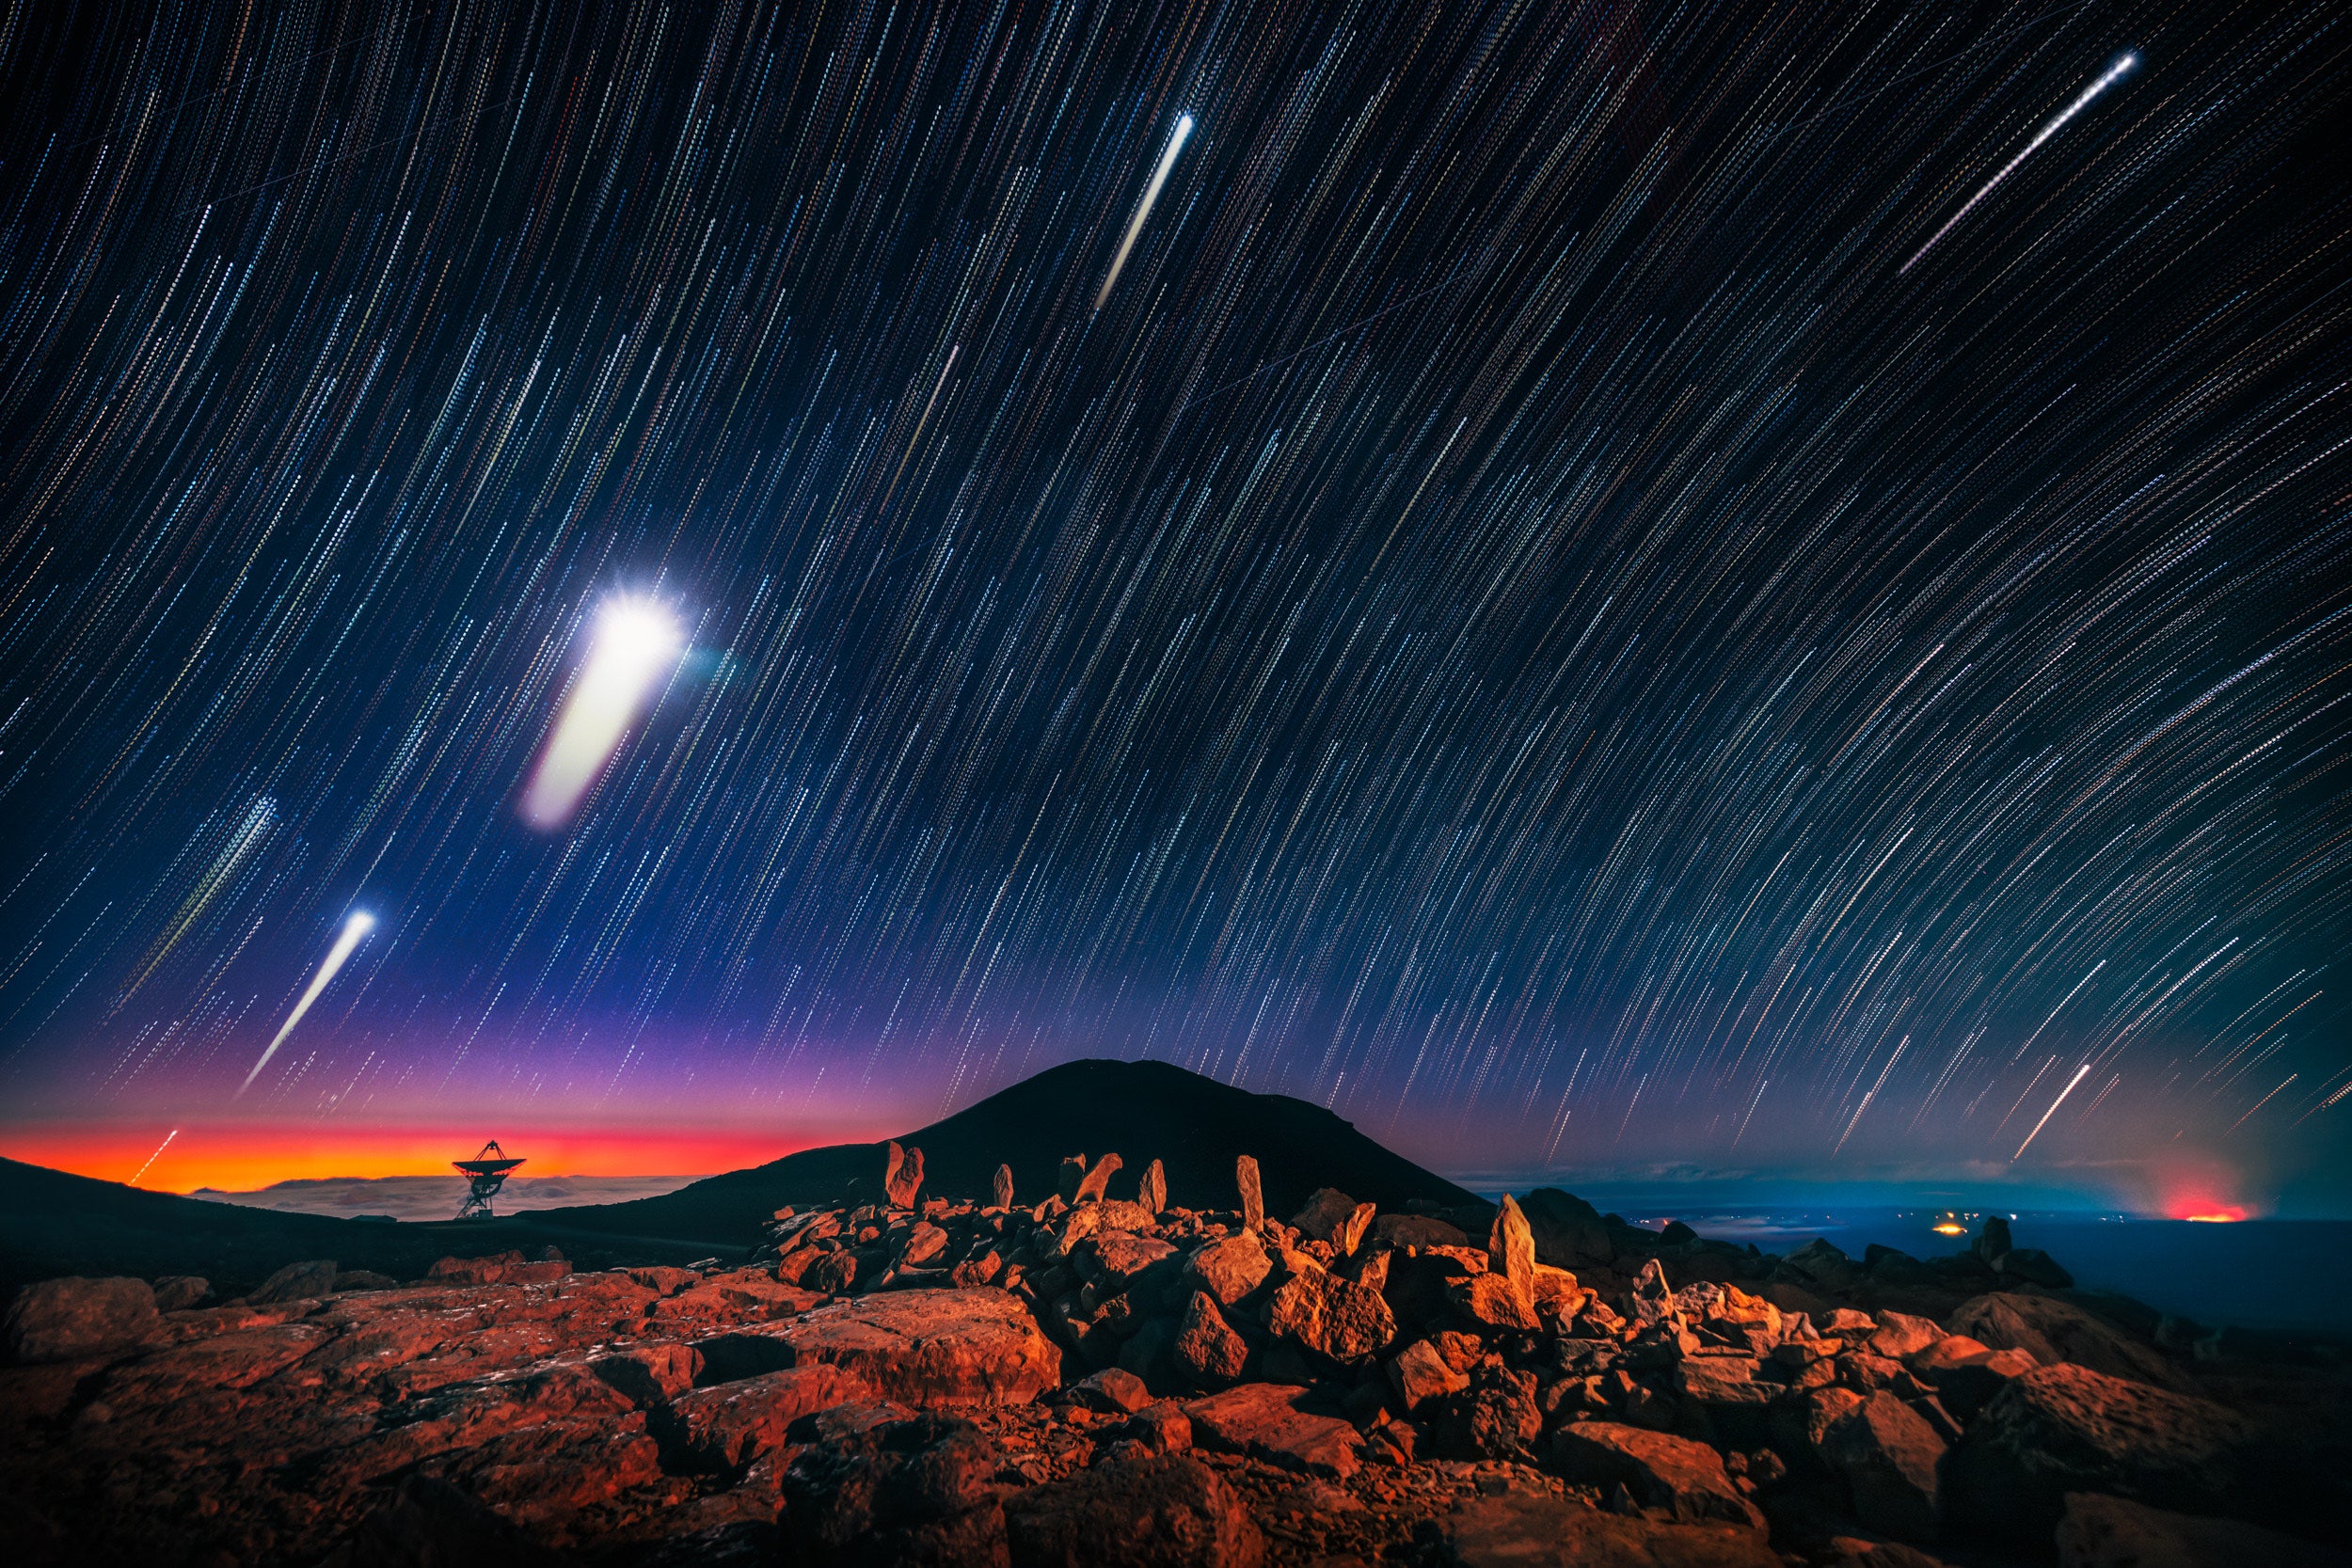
(2216,1216)
(243,1157)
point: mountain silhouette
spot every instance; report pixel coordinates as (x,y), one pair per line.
(1141,1111)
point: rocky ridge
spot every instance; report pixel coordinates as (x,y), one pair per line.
(1100,1376)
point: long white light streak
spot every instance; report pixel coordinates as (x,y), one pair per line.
(2080,1073)
(2115,74)
(636,641)
(1143,209)
(355,930)
(152,1158)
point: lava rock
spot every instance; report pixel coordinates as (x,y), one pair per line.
(1206,1350)
(1166,1511)
(2111,1532)
(1889,1455)
(63,1320)
(866,1495)
(1270,1421)
(1684,1477)
(1514,1531)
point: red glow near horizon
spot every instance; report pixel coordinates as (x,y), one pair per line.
(2216,1217)
(241,1157)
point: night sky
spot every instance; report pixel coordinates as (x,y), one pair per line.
(1756,586)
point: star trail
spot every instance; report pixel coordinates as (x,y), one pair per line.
(1580,583)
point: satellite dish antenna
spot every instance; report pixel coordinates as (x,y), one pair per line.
(488,1171)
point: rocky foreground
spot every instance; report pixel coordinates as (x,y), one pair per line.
(1100,1380)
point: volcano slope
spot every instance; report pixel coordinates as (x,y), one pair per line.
(1195,1126)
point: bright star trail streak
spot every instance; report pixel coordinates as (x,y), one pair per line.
(355,929)
(1450,589)
(635,644)
(2080,1073)
(152,1158)
(2115,74)
(1143,207)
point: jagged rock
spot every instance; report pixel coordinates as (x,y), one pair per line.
(1120,1215)
(1722,1380)
(1495,1419)
(1568,1232)
(1992,1240)
(1120,1259)
(1268,1420)
(2111,1532)
(1169,1512)
(176,1292)
(1888,1455)
(891,1492)
(1418,1373)
(1151,1191)
(1326,1209)
(2054,1331)
(1331,1316)
(649,1375)
(295,1282)
(1161,1428)
(1073,1171)
(928,1348)
(1653,1298)
(1352,1230)
(2034,1266)
(1399,1231)
(729,1425)
(1515,1531)
(1511,1249)
(62,1319)
(1900,1336)
(1252,1195)
(1001,1191)
(1230,1269)
(1112,1389)
(1660,1471)
(2068,1429)
(924,1242)
(902,1176)
(1097,1180)
(1490,1301)
(1206,1350)
(833,1273)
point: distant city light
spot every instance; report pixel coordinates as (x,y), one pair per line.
(636,643)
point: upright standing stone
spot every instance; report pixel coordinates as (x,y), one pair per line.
(1073,1170)
(1092,1185)
(1004,1187)
(902,1176)
(1252,1196)
(1152,1194)
(1511,1249)
(1350,1235)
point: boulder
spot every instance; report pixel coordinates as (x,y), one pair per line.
(1000,1192)
(902,1176)
(1722,1380)
(1166,1512)
(64,1319)
(1900,1336)
(1992,1240)
(295,1282)
(1518,1531)
(1399,1231)
(1151,1191)
(2068,1429)
(2034,1266)
(175,1292)
(1496,1418)
(1206,1350)
(649,1375)
(1113,1390)
(1684,1477)
(926,1348)
(2112,1533)
(1417,1372)
(1331,1316)
(727,1426)
(1888,1454)
(1491,1301)
(869,1492)
(1252,1193)
(2054,1331)
(1230,1269)
(1568,1232)
(1326,1209)
(1268,1421)
(1820,1266)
